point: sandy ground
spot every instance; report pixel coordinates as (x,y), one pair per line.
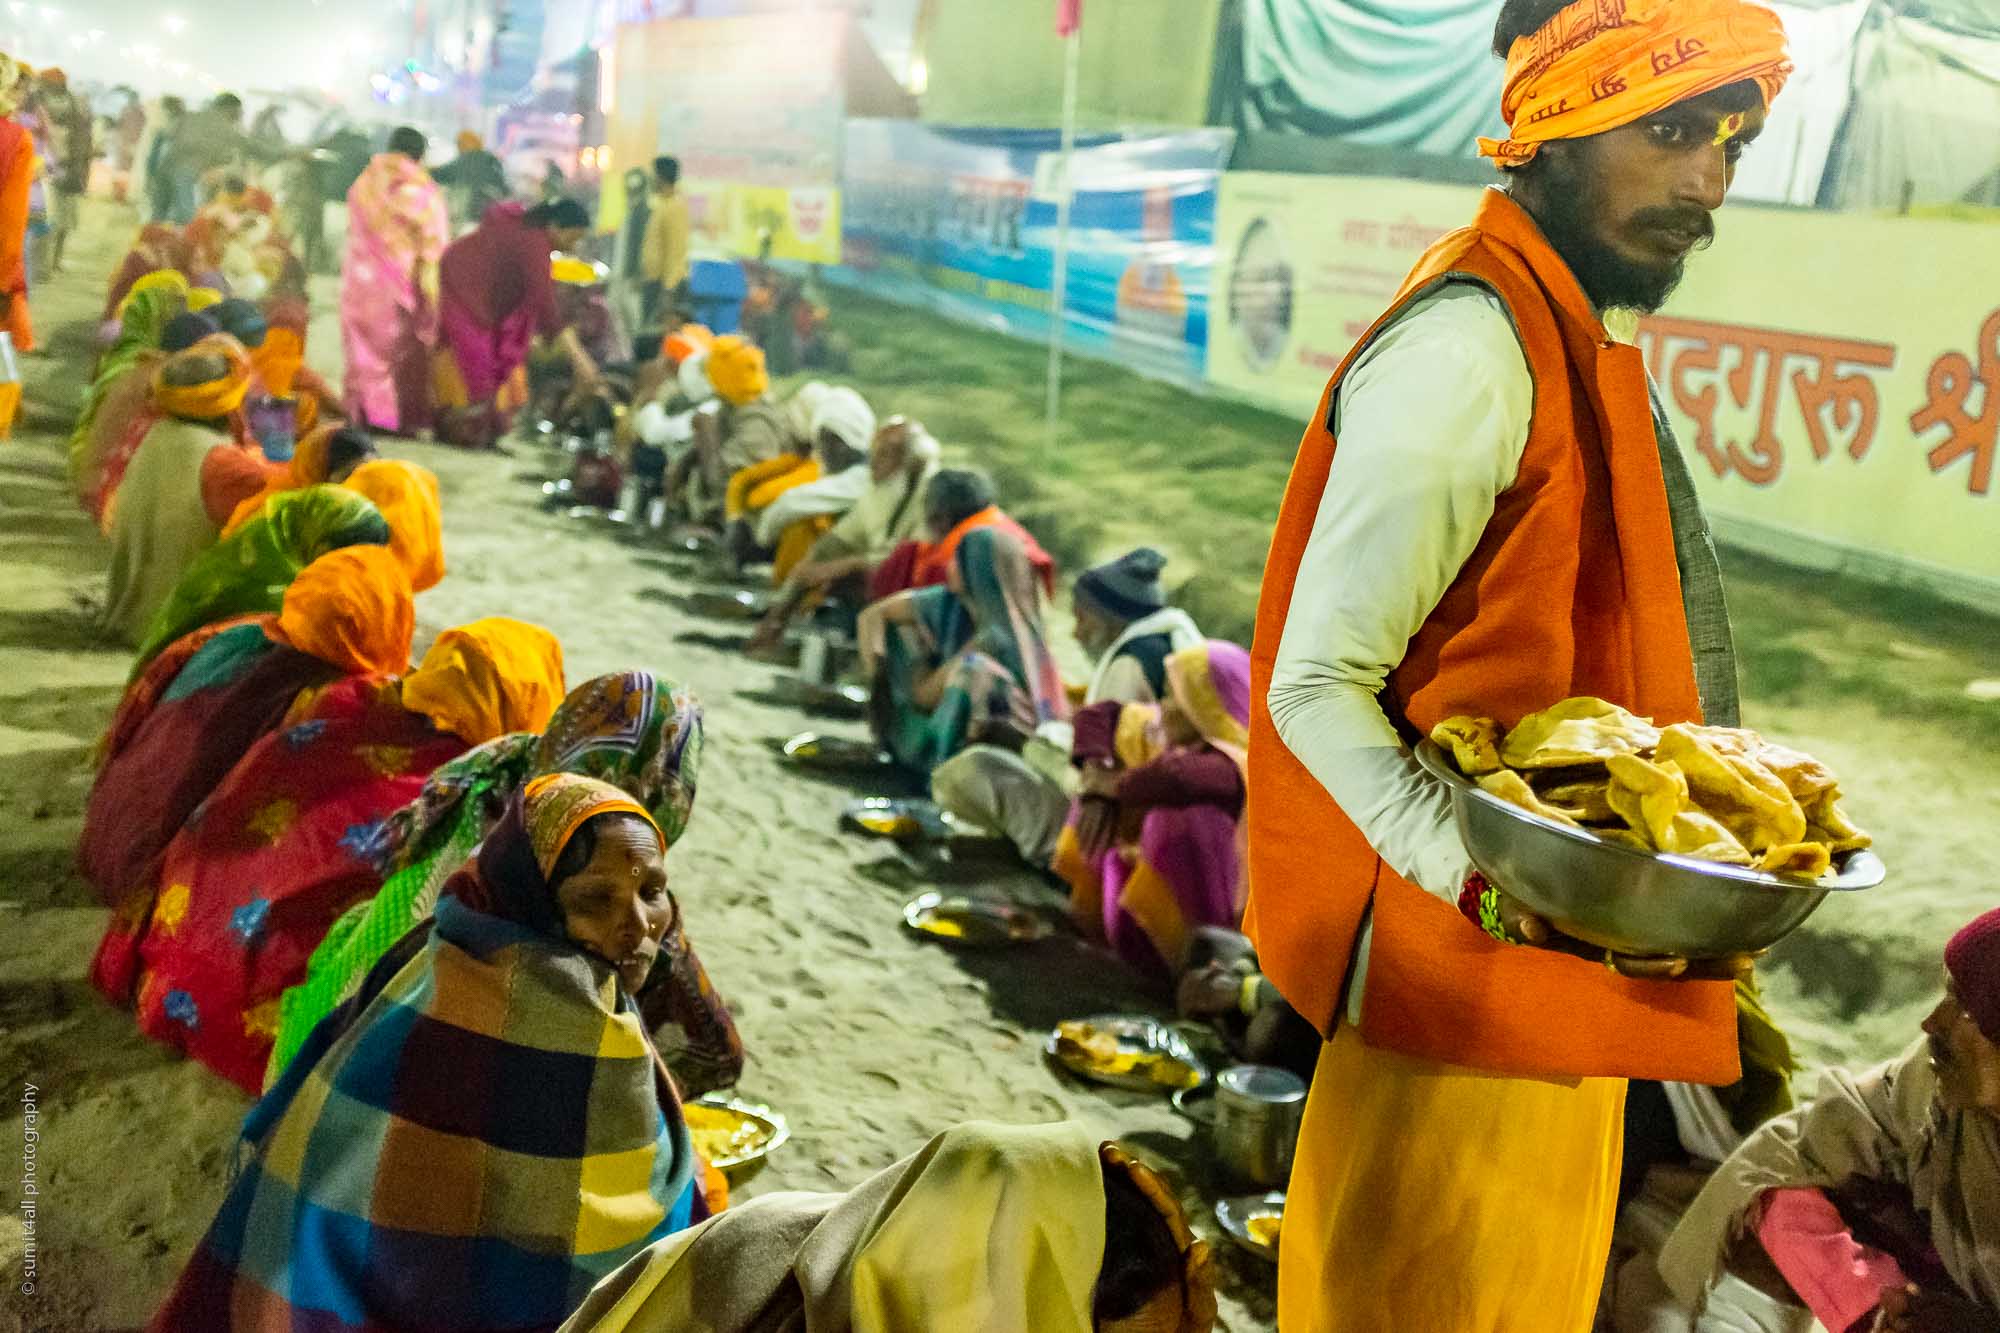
(866,1039)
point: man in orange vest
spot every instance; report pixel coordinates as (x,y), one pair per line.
(1506,521)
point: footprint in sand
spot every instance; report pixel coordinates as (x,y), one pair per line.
(881,1081)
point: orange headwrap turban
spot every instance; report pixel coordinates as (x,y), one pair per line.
(407,495)
(685,341)
(469,142)
(736,369)
(488,678)
(216,398)
(1601,64)
(353,608)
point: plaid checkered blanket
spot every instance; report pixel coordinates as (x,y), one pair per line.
(490,1137)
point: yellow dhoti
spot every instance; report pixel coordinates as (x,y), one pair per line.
(795,543)
(1429,1198)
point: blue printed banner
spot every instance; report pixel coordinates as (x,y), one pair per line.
(964,222)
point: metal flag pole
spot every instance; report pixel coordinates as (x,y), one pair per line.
(1059,280)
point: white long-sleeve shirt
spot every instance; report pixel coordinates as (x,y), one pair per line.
(1432,422)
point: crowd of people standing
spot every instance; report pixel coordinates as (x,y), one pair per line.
(421,909)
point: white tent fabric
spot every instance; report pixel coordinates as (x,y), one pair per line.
(1789,158)
(1924,127)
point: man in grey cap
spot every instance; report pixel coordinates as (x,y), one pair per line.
(1124,623)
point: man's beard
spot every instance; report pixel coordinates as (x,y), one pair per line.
(1566,208)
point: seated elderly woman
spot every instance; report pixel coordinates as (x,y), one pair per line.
(1154,849)
(965,662)
(285,843)
(635,730)
(901,463)
(990,1227)
(1877,1205)
(778,510)
(485,1131)
(186,475)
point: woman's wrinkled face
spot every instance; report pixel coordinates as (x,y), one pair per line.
(1967,1064)
(617,905)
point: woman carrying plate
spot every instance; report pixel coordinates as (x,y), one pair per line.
(484,1131)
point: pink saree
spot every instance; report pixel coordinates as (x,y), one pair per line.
(397,229)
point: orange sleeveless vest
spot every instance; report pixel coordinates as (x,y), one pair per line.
(1572,590)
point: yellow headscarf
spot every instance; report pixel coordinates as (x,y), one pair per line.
(216,398)
(353,608)
(407,495)
(1601,64)
(488,678)
(201,298)
(736,369)
(160,279)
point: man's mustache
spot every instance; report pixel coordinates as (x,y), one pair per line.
(1695,221)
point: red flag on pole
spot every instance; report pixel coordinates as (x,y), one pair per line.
(1069,13)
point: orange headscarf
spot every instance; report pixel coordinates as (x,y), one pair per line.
(488,678)
(407,495)
(1601,64)
(353,608)
(216,398)
(278,360)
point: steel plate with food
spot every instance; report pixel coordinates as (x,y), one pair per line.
(730,1134)
(1690,840)
(901,819)
(833,753)
(973,923)
(1253,1222)
(721,605)
(1128,1051)
(842,701)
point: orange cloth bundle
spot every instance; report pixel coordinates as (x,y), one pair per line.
(351,607)
(1602,64)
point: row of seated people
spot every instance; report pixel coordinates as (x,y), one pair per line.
(422,914)
(1127,786)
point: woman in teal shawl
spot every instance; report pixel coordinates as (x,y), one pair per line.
(634,730)
(143,317)
(248,571)
(965,662)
